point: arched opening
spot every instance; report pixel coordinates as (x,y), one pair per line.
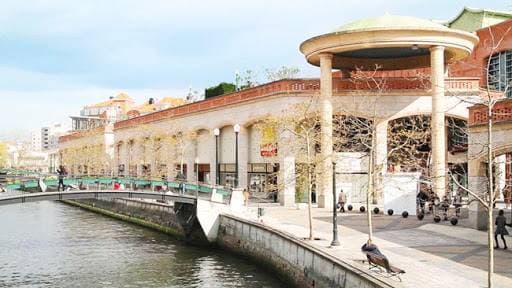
(409,148)
(227,167)
(263,164)
(352,143)
(351,133)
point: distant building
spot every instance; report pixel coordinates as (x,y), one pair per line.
(33,161)
(13,155)
(36,141)
(118,108)
(50,136)
(23,157)
(99,114)
(152,105)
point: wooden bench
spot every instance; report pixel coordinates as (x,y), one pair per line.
(381,262)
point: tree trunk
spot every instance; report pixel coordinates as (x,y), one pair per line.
(310,184)
(490,224)
(370,191)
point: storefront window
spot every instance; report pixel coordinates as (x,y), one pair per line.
(263,179)
(227,174)
(204,172)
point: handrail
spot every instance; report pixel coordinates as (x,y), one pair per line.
(105,182)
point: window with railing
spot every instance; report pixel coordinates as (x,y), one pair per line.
(500,72)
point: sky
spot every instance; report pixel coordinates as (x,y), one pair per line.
(58,55)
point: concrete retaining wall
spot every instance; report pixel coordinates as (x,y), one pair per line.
(161,217)
(293,260)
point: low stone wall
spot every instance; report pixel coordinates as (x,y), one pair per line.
(295,261)
(158,216)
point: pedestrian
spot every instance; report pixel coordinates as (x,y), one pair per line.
(181,178)
(457,202)
(500,223)
(246,197)
(445,205)
(342,199)
(421,199)
(507,195)
(62,174)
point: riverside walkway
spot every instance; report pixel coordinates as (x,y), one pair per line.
(433,255)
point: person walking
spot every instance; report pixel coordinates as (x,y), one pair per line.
(342,199)
(62,174)
(507,195)
(501,230)
(457,202)
(421,199)
(445,205)
(246,197)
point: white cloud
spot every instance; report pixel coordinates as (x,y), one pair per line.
(57,55)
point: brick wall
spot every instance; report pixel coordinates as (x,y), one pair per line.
(475,64)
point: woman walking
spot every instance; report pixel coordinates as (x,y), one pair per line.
(500,222)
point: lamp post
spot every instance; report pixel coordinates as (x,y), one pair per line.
(335,241)
(197,176)
(216,132)
(237,130)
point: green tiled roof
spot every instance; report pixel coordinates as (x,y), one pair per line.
(472,19)
(390,22)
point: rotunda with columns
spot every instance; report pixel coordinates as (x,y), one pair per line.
(387,43)
(220,141)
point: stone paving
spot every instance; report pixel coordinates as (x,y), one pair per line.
(433,255)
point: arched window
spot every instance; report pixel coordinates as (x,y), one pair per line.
(500,72)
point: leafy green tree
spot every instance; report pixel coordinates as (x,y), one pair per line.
(221,89)
(4,155)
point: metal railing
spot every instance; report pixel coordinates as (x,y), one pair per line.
(200,190)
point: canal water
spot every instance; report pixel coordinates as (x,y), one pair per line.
(49,244)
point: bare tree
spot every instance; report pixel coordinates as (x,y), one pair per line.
(303,122)
(356,129)
(282,73)
(487,197)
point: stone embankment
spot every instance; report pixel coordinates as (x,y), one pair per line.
(291,259)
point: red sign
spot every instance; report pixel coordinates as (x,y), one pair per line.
(268,150)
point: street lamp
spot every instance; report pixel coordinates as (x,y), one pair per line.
(197,176)
(216,132)
(335,241)
(237,130)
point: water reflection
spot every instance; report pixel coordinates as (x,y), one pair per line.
(49,244)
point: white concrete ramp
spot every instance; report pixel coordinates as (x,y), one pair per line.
(209,211)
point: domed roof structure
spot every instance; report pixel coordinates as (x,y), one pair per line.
(389,22)
(381,41)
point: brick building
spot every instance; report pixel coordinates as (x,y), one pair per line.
(199,139)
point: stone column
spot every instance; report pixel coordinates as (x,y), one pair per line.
(243,157)
(324,190)
(213,167)
(477,182)
(286,180)
(189,159)
(381,160)
(501,175)
(437,124)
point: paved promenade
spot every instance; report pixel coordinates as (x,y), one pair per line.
(433,255)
